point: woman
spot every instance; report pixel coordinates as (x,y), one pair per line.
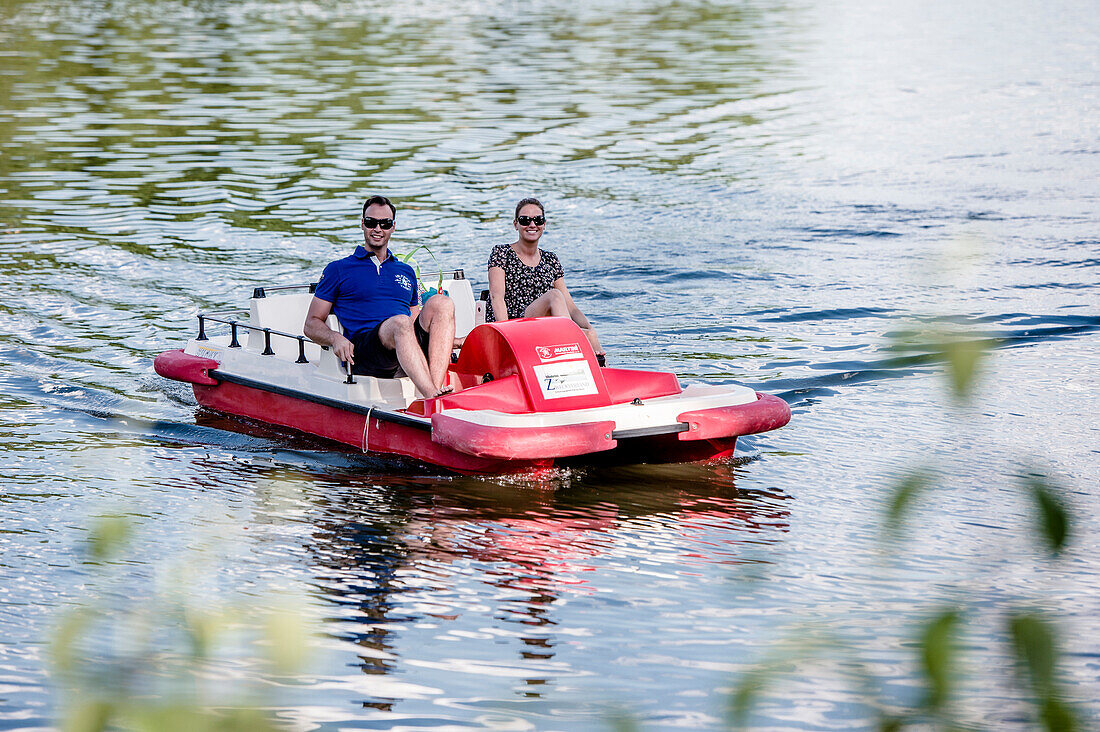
(527,282)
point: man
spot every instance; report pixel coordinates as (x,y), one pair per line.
(375,297)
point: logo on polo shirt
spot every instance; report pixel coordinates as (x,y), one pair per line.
(404,281)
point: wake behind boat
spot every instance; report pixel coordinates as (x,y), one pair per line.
(528,393)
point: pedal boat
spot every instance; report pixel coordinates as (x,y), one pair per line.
(528,393)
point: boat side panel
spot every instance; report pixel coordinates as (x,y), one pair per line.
(766,413)
(501,395)
(184,367)
(522,443)
(626,384)
(348,428)
(659,449)
(417,443)
(316,419)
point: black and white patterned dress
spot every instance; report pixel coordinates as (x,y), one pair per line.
(522,284)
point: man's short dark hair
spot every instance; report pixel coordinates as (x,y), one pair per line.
(527,201)
(379,201)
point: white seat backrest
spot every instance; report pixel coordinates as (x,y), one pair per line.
(285,313)
(462,293)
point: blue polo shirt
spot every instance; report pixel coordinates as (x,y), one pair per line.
(363,292)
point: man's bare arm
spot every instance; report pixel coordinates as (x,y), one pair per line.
(317,330)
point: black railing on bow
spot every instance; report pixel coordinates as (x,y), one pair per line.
(233,319)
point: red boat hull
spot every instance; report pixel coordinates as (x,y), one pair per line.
(396,439)
(465,447)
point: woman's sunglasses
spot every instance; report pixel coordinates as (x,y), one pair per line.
(370,223)
(527,220)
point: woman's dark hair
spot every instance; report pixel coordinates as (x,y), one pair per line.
(381,201)
(527,201)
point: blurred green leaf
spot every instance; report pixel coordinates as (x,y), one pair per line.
(88,716)
(904,494)
(890,724)
(64,640)
(938,656)
(203,628)
(182,718)
(963,357)
(748,690)
(622,721)
(107,536)
(287,637)
(1056,716)
(1052,516)
(1034,644)
(802,646)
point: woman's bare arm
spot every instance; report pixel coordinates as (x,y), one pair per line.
(496,293)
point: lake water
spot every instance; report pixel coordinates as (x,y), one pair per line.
(775,194)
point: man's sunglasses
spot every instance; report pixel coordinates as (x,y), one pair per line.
(370,222)
(526,220)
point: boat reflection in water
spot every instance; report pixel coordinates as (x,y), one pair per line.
(411,564)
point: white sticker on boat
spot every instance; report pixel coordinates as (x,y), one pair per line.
(571,378)
(208,353)
(563,352)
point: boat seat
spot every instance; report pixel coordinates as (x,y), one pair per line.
(466,314)
(286,313)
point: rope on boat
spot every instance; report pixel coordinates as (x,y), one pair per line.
(366,432)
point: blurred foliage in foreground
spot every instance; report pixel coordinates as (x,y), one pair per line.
(160,654)
(1029,636)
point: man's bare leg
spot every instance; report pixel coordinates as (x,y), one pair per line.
(438,318)
(397,333)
